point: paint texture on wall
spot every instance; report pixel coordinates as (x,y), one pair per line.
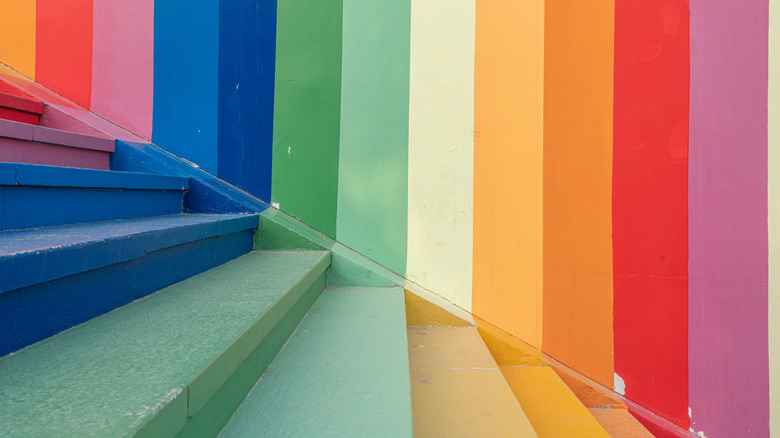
(578,84)
(508,169)
(728,373)
(247,48)
(650,204)
(441,148)
(774,217)
(307,110)
(63,47)
(373,155)
(123,63)
(186,39)
(17,35)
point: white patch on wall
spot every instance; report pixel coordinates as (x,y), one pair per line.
(620,385)
(699,434)
(289,151)
(275,205)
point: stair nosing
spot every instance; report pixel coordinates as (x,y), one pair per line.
(49,255)
(36,175)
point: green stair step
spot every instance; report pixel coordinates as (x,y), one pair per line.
(178,361)
(343,373)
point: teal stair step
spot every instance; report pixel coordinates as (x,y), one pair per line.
(179,361)
(343,373)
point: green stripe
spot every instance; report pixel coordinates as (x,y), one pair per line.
(306,111)
(373,160)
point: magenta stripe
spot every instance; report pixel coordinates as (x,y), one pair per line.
(123,63)
(728,292)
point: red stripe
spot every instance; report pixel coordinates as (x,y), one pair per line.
(650,203)
(63,46)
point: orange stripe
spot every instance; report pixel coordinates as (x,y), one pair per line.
(507,284)
(17,35)
(578,75)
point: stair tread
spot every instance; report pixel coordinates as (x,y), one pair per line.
(33,240)
(22,174)
(34,255)
(551,406)
(344,372)
(111,375)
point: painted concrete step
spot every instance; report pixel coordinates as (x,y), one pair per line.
(53,278)
(343,373)
(25,143)
(457,387)
(552,408)
(37,196)
(178,362)
(16,107)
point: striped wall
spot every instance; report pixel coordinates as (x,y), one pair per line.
(596,177)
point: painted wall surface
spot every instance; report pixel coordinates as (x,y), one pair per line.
(728,327)
(578,84)
(17,35)
(774,217)
(307,111)
(247,50)
(441,148)
(186,70)
(123,62)
(373,155)
(650,204)
(508,168)
(63,48)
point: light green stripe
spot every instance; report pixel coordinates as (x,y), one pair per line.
(306,111)
(372,196)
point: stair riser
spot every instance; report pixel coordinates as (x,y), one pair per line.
(19,116)
(22,151)
(31,207)
(31,314)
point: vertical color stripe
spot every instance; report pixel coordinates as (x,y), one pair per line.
(17,35)
(441,148)
(578,80)
(774,217)
(508,127)
(728,327)
(650,204)
(373,155)
(123,63)
(247,50)
(63,48)
(306,111)
(186,38)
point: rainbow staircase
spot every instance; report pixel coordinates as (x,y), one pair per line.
(141,296)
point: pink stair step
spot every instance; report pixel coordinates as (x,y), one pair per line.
(26,143)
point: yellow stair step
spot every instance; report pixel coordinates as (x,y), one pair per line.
(457,388)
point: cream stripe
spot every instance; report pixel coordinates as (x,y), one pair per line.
(441,148)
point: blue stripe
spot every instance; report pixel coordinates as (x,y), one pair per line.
(247,53)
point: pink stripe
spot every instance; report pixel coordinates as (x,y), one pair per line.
(123,63)
(728,292)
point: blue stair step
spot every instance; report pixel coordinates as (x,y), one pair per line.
(52,278)
(37,196)
(343,373)
(179,361)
